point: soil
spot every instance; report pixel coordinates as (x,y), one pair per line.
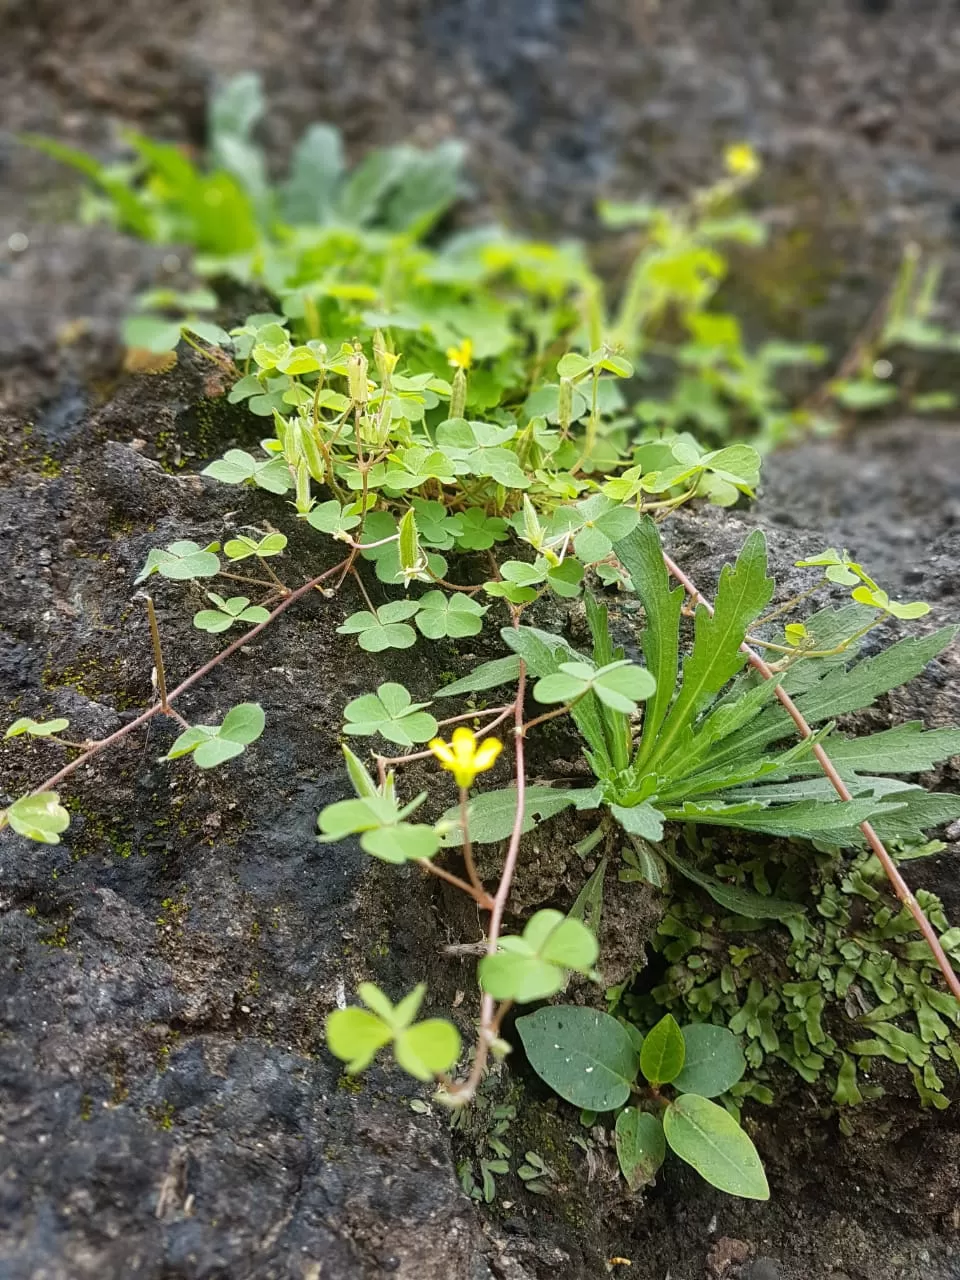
(169,1110)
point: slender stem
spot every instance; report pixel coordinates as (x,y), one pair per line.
(240,577)
(480,896)
(500,712)
(184,685)
(467,847)
(900,886)
(547,715)
(363,591)
(157,655)
(283,588)
(490,1015)
(791,604)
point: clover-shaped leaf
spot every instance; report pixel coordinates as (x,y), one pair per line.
(604,523)
(385,629)
(536,965)
(211,745)
(237,467)
(40,817)
(480,531)
(227,612)
(180,561)
(380,823)
(391,713)
(242,547)
(333,518)
(566,578)
(878,599)
(456,616)
(437,528)
(618,685)
(837,567)
(36,728)
(423,1049)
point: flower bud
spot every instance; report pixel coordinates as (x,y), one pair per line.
(565,404)
(458,395)
(357,377)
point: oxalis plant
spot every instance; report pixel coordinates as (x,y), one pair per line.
(454,422)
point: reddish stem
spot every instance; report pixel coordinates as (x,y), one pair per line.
(901,888)
(190,681)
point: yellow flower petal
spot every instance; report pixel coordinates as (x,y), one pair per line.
(487,754)
(462,757)
(442,752)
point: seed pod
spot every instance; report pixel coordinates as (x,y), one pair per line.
(357,377)
(565,404)
(458,395)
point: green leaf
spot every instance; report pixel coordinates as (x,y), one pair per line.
(181,561)
(804,821)
(842,691)
(661,1058)
(535,966)
(36,728)
(315,172)
(743,593)
(151,333)
(330,517)
(742,902)
(489,675)
(640,820)
(713,1061)
(584,1055)
(393,714)
(40,817)
(492,813)
(621,685)
(455,616)
(243,723)
(386,629)
(242,547)
(428,1049)
(228,612)
(642,557)
(212,745)
(356,1036)
(906,748)
(641,1146)
(566,578)
(708,1138)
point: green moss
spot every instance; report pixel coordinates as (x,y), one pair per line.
(162,1115)
(93,679)
(350,1084)
(86,1107)
(96,834)
(852,983)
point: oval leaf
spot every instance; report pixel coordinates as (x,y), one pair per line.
(710,1140)
(661,1058)
(641,1146)
(583,1055)
(713,1063)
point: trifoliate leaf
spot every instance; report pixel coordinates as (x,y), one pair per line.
(36,728)
(40,817)
(393,714)
(455,616)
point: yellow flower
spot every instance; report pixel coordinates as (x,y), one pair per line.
(461,357)
(741,160)
(463,758)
